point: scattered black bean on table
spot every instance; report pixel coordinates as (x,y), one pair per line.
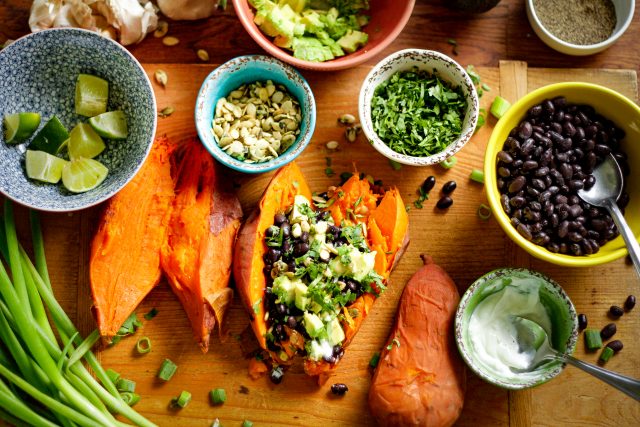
(615,345)
(428,184)
(449,187)
(545,160)
(444,203)
(630,302)
(608,331)
(616,311)
(339,389)
(582,321)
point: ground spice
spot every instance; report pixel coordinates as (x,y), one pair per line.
(582,22)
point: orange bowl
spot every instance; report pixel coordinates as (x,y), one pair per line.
(388,18)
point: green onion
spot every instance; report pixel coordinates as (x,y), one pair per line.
(486,87)
(395,165)
(182,400)
(65,351)
(130,398)
(125,385)
(151,314)
(606,354)
(484,212)
(374,360)
(247,423)
(449,163)
(477,175)
(83,348)
(218,396)
(113,375)
(167,369)
(143,346)
(499,107)
(593,339)
(216,423)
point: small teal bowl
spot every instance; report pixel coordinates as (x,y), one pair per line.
(564,326)
(248,69)
(38,73)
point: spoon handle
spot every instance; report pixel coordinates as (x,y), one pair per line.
(627,234)
(627,385)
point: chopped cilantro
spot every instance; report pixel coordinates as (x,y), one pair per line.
(276,239)
(473,74)
(343,254)
(355,205)
(329,172)
(256,306)
(452,42)
(374,360)
(344,177)
(395,165)
(353,234)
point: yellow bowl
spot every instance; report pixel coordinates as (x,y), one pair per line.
(610,104)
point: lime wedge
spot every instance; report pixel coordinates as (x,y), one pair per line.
(82,175)
(92,94)
(20,126)
(44,166)
(64,145)
(50,137)
(84,142)
(111,125)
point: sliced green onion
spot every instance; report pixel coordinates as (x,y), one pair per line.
(449,163)
(151,314)
(499,107)
(216,423)
(143,346)
(182,400)
(374,360)
(124,385)
(477,175)
(481,122)
(593,339)
(130,398)
(395,165)
(486,87)
(167,369)
(606,354)
(247,423)
(218,396)
(113,375)
(484,212)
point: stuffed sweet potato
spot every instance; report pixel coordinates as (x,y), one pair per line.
(197,253)
(309,268)
(420,378)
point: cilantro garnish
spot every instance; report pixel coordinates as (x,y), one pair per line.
(353,234)
(275,240)
(343,254)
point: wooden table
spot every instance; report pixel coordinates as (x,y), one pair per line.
(503,33)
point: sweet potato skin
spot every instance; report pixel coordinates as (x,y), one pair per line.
(132,228)
(421,379)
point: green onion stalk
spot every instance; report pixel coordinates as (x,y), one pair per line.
(43,381)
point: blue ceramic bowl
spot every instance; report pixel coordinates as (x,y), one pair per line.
(38,73)
(248,69)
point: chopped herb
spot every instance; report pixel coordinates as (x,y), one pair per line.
(355,205)
(344,177)
(452,42)
(167,370)
(374,360)
(276,239)
(340,194)
(353,234)
(329,172)
(395,165)
(423,196)
(473,74)
(481,122)
(129,327)
(354,313)
(343,254)
(247,423)
(486,87)
(256,306)
(218,396)
(395,341)
(407,207)
(222,4)
(151,314)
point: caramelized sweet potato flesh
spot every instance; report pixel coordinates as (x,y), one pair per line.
(197,254)
(132,227)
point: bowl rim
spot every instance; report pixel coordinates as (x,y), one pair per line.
(154,107)
(341,63)
(493,194)
(205,134)
(465,352)
(595,47)
(384,149)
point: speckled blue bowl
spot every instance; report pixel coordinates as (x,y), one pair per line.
(38,73)
(248,69)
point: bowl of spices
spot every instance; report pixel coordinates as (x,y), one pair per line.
(543,151)
(255,114)
(580,27)
(487,330)
(418,107)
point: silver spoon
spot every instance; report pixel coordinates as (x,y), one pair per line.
(604,193)
(533,338)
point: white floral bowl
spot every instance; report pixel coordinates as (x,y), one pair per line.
(434,62)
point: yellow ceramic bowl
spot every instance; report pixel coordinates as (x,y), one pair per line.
(610,104)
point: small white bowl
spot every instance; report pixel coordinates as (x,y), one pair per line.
(624,16)
(434,62)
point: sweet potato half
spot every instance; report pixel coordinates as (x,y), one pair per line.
(386,223)
(197,253)
(420,378)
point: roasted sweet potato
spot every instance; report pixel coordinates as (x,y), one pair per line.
(197,253)
(125,252)
(385,220)
(420,378)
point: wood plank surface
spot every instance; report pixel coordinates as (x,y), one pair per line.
(452,238)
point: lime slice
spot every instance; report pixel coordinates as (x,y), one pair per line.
(82,175)
(92,94)
(50,137)
(44,166)
(20,126)
(112,125)
(64,145)
(84,142)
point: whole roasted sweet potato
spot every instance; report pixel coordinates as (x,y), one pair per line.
(420,378)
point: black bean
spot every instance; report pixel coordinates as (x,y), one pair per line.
(615,345)
(525,130)
(535,111)
(541,171)
(286,229)
(504,201)
(339,389)
(576,185)
(304,236)
(449,187)
(329,359)
(582,321)
(272,231)
(527,147)
(554,220)
(575,211)
(529,165)
(602,150)
(430,182)
(276,375)
(524,231)
(575,249)
(444,203)
(300,249)
(630,302)
(575,237)
(535,206)
(503,156)
(556,137)
(608,331)
(544,196)
(516,202)
(589,182)
(279,219)
(292,322)
(566,170)
(616,311)
(538,183)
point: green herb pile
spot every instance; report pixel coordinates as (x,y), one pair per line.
(416,113)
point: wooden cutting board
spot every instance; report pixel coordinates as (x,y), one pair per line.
(463,244)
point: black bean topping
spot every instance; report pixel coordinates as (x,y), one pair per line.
(292,322)
(429,183)
(444,203)
(286,229)
(449,187)
(279,219)
(608,331)
(304,236)
(616,311)
(615,345)
(329,359)
(339,389)
(630,302)
(300,249)
(276,375)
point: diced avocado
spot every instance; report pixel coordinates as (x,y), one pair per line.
(285,289)
(312,324)
(296,5)
(314,54)
(353,40)
(317,349)
(324,38)
(297,214)
(312,22)
(301,295)
(280,22)
(315,307)
(335,334)
(361,264)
